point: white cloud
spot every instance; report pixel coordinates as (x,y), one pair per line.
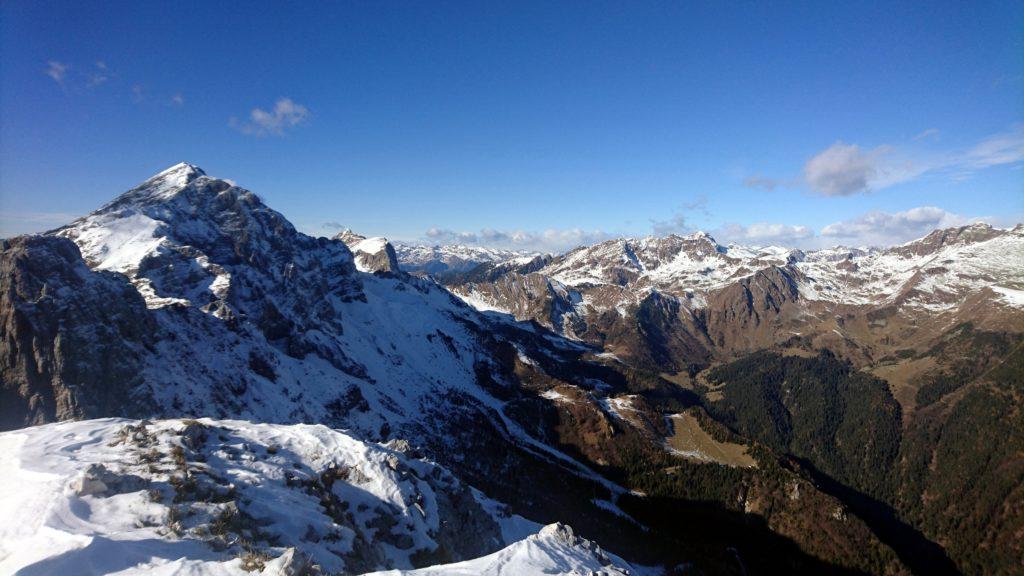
(840,170)
(929,133)
(889,228)
(57,70)
(285,115)
(178,99)
(844,169)
(764,233)
(551,240)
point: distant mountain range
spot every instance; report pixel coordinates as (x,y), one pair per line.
(346,405)
(453,259)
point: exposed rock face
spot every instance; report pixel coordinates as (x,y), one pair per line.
(371,254)
(71,339)
(747,315)
(529,296)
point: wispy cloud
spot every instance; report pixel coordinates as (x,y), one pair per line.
(679,222)
(77,78)
(57,70)
(1005,148)
(99,75)
(766,184)
(846,169)
(551,240)
(674,225)
(1006,79)
(285,115)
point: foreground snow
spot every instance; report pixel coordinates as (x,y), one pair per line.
(232,497)
(555,550)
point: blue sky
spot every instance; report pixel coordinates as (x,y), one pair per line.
(532,125)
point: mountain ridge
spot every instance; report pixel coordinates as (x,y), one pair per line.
(230,312)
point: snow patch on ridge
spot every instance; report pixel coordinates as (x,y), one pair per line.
(119,243)
(1011,296)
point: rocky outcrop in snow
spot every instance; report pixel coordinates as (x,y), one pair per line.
(371,254)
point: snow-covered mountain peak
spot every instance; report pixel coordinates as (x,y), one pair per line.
(661,259)
(185,239)
(938,239)
(163,185)
(181,170)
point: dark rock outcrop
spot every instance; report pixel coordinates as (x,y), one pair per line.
(70,338)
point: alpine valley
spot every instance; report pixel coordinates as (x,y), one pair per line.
(189,385)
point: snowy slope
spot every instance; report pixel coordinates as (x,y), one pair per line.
(937,272)
(226,497)
(554,550)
